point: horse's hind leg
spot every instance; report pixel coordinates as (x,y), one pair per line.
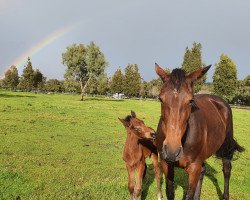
(131,183)
(198,188)
(157,175)
(227,173)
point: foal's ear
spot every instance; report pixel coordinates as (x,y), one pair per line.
(133,114)
(194,76)
(125,123)
(161,73)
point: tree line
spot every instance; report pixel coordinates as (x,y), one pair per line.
(86,74)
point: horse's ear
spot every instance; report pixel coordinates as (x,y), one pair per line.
(133,114)
(125,123)
(196,75)
(161,73)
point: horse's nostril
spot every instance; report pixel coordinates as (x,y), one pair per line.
(178,152)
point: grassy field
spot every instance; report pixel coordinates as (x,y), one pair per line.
(57,147)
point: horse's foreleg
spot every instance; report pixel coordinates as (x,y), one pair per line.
(168,170)
(138,186)
(194,171)
(227,173)
(131,182)
(157,175)
(198,187)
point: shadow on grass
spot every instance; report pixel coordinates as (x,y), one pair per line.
(181,180)
(15,96)
(147,181)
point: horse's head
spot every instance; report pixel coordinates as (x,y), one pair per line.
(137,127)
(176,99)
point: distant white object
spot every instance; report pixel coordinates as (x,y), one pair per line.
(118,96)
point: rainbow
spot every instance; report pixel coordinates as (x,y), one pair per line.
(40,45)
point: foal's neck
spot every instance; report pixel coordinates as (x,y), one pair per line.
(133,141)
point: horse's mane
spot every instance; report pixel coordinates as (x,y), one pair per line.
(177,77)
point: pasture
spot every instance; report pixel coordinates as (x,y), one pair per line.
(57,147)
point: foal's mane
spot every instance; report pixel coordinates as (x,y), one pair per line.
(128,118)
(177,77)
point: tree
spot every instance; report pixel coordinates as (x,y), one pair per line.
(39,80)
(27,78)
(155,85)
(54,85)
(225,78)
(71,85)
(193,60)
(132,80)
(116,85)
(144,89)
(243,92)
(92,86)
(103,85)
(84,63)
(11,78)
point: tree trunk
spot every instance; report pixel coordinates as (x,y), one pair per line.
(83,87)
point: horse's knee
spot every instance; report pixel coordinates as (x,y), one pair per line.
(131,188)
(137,192)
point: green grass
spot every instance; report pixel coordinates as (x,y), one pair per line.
(57,147)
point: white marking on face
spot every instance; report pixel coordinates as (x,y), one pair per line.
(175,92)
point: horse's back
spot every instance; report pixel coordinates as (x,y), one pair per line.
(212,121)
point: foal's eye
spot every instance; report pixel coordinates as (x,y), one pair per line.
(137,129)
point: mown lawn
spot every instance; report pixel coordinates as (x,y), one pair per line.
(57,147)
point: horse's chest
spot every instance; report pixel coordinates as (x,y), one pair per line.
(133,156)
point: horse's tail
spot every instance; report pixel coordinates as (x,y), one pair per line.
(145,170)
(229,147)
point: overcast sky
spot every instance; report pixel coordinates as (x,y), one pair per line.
(130,31)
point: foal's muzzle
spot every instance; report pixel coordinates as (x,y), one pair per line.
(171,156)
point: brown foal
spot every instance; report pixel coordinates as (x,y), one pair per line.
(139,145)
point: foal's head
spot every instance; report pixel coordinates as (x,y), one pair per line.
(136,126)
(177,103)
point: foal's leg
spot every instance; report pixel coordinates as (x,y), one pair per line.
(168,170)
(194,171)
(227,172)
(157,175)
(138,186)
(198,188)
(131,182)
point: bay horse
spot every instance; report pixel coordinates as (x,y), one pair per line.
(138,146)
(191,129)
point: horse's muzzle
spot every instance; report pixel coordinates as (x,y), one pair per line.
(171,156)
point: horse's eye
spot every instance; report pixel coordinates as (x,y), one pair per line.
(193,104)
(160,99)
